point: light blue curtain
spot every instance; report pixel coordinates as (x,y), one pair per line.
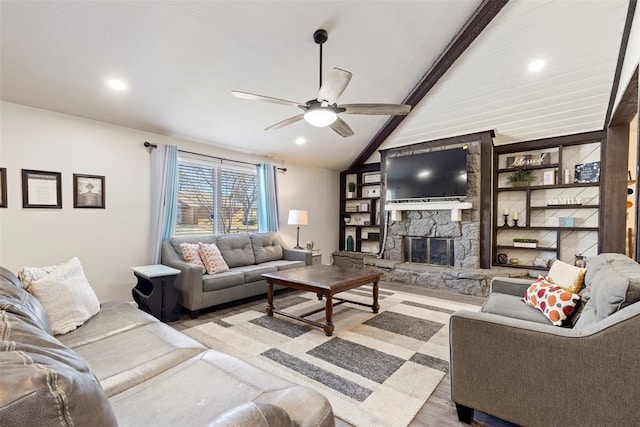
(267,200)
(164,196)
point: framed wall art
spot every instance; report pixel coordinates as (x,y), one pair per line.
(3,187)
(587,172)
(41,189)
(88,191)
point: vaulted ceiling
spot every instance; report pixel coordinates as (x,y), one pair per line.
(182,59)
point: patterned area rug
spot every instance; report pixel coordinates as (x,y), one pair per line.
(376,369)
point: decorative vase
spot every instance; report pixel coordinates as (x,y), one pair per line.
(350,244)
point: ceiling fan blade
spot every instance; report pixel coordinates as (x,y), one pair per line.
(341,128)
(333,86)
(382,109)
(286,122)
(254,97)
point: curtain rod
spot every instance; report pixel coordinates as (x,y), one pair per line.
(151,146)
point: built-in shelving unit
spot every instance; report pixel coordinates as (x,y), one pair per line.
(559,207)
(360,211)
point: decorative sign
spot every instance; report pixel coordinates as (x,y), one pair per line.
(528,160)
(373,178)
(565,201)
(587,172)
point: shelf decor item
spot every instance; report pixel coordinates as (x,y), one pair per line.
(521,178)
(525,243)
(566,221)
(352,190)
(587,172)
(502,259)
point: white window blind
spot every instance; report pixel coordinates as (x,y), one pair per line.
(216,198)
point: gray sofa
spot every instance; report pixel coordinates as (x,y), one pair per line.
(509,361)
(248,257)
(124,367)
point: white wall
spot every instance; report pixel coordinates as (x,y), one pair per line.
(109,241)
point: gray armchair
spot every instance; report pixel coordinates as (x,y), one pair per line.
(509,361)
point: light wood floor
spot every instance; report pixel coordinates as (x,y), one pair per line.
(439,410)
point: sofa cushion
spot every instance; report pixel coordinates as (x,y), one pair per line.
(123,360)
(266,246)
(43,382)
(567,276)
(176,241)
(228,279)
(552,300)
(190,252)
(212,258)
(236,249)
(284,265)
(114,317)
(253,273)
(513,306)
(223,382)
(612,282)
(14,299)
(67,296)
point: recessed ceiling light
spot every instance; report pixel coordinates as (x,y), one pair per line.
(116,84)
(536,65)
(300,141)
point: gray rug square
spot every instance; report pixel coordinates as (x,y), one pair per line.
(420,329)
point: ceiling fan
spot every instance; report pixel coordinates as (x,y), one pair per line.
(323,111)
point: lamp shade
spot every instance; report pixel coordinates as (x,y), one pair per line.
(297,217)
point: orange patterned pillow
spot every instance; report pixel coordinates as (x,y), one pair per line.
(212,258)
(553,301)
(191,254)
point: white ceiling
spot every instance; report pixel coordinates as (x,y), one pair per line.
(181,59)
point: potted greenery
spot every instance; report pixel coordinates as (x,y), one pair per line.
(525,243)
(521,178)
(352,190)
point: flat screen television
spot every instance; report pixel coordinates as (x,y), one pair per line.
(431,175)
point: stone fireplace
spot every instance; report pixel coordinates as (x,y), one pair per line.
(453,243)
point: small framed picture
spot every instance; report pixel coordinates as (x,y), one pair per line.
(364,207)
(3,187)
(41,189)
(88,191)
(549,177)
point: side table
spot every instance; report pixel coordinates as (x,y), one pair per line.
(155,293)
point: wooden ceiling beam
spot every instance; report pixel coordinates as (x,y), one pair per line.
(478,21)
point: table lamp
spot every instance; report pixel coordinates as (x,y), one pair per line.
(298,218)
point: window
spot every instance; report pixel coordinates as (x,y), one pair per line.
(216,198)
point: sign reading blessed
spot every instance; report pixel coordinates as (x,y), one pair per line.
(528,160)
(587,172)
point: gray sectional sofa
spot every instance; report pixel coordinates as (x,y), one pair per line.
(124,367)
(509,361)
(248,257)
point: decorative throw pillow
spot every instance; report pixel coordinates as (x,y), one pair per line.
(554,302)
(191,254)
(567,276)
(212,258)
(67,296)
(28,275)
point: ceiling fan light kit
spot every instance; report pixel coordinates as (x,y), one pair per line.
(320,117)
(323,111)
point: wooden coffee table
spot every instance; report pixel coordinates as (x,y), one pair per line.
(323,280)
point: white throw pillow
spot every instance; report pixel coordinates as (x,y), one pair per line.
(67,296)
